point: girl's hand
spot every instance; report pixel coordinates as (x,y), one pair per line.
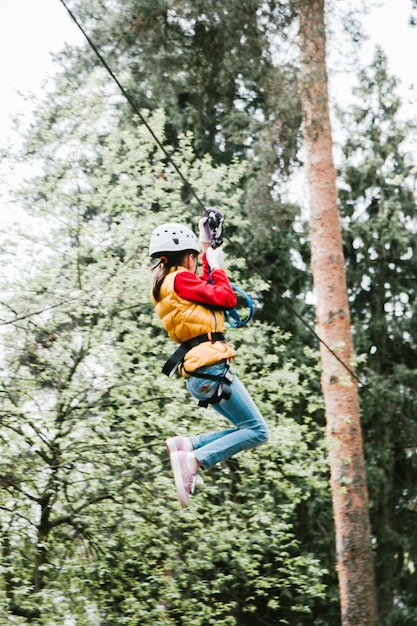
(215,258)
(203,238)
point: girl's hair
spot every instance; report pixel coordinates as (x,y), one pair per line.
(167,260)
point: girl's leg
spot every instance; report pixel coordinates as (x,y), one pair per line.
(250,428)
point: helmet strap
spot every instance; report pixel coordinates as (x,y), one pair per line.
(161,261)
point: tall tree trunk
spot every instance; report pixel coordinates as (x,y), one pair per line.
(347,467)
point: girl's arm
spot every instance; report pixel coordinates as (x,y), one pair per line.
(219,293)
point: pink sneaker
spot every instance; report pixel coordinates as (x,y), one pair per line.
(178,444)
(185,479)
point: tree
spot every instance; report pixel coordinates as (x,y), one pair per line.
(378,200)
(347,467)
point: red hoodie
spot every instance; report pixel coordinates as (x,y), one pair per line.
(218,293)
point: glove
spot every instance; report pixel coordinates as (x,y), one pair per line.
(203,236)
(215,258)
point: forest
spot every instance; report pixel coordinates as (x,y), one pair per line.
(208,109)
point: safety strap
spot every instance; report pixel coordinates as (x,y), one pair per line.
(174,360)
(223,390)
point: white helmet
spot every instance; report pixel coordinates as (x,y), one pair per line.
(172,237)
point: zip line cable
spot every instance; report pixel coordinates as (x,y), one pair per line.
(237,247)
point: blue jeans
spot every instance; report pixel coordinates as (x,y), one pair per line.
(250,427)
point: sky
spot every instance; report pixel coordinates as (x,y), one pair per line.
(388,26)
(29,31)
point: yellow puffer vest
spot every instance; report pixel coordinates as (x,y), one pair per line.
(184,320)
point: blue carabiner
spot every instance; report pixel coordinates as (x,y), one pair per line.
(233,317)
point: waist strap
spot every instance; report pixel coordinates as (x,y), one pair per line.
(171,365)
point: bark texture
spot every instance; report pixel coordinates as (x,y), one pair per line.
(347,467)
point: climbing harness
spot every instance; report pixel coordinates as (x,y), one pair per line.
(223,389)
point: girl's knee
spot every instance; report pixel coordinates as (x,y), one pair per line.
(262,433)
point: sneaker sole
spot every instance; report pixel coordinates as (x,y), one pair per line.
(171,447)
(179,483)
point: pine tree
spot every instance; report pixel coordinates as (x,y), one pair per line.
(378,203)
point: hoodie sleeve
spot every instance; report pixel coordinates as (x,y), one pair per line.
(218,294)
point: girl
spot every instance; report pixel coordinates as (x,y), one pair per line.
(191,309)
